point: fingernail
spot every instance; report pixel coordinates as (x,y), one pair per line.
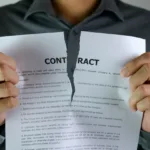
(124,72)
(133,110)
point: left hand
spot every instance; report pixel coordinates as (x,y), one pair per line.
(139,72)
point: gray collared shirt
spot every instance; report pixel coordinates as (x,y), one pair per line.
(112,16)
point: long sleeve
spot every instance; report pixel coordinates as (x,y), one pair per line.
(2,137)
(144,141)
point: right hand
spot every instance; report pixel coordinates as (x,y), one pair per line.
(8,90)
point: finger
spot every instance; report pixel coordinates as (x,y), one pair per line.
(140,93)
(145,124)
(131,67)
(7,89)
(140,77)
(8,103)
(7,74)
(2,118)
(144,104)
(6,60)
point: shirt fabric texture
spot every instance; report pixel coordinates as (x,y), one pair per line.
(111,16)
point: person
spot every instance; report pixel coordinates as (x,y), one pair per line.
(72,17)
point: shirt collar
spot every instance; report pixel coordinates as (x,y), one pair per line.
(111,6)
(45,6)
(37,6)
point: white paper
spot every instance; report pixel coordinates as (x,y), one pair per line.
(102,92)
(44,90)
(46,121)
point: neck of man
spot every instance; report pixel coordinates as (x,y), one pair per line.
(74,11)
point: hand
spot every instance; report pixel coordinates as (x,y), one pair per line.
(8,91)
(139,72)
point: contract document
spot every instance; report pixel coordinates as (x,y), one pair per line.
(96,118)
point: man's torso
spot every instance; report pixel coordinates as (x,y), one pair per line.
(28,17)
